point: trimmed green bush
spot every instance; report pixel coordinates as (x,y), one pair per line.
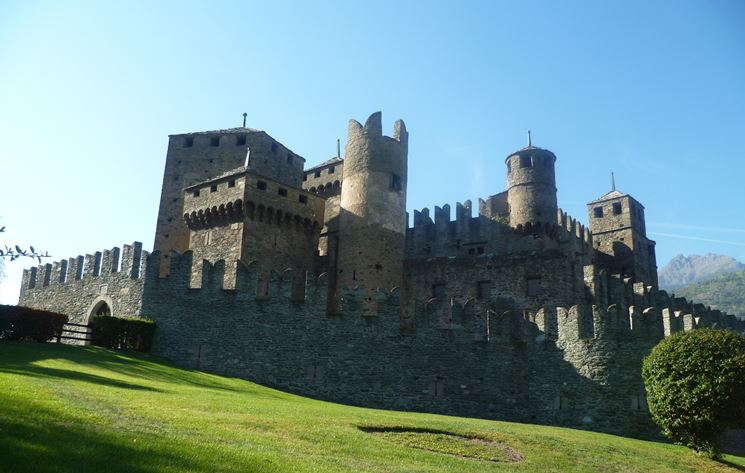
(23,323)
(696,387)
(122,333)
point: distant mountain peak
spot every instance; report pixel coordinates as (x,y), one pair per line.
(683,270)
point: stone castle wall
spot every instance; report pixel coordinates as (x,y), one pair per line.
(462,355)
(78,286)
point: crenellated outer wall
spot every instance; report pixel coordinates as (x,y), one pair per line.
(578,366)
(464,356)
(79,286)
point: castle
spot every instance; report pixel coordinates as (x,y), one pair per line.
(311,280)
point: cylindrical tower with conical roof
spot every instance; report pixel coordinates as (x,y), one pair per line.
(531,187)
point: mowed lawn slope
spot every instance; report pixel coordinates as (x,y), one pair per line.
(77,409)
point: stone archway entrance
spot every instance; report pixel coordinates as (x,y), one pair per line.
(101,308)
(102,305)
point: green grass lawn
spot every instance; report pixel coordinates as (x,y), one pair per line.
(76,409)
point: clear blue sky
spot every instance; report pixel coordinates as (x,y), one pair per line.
(653,90)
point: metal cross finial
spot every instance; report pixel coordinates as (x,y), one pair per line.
(613,181)
(530,141)
(338,148)
(244,119)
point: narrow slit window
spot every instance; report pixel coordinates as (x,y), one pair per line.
(396,182)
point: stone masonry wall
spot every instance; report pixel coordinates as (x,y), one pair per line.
(197,157)
(78,286)
(461,357)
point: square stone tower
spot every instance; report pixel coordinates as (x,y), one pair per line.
(620,236)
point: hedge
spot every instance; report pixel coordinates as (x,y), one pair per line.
(130,333)
(23,323)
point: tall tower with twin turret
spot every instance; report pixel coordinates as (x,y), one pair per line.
(372,220)
(531,187)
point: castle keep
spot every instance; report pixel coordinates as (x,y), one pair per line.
(313,281)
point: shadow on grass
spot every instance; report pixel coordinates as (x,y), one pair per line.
(40,440)
(18,358)
(732,465)
(40,371)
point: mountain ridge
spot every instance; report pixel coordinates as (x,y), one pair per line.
(685,270)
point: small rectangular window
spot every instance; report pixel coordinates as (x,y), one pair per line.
(438,290)
(331,170)
(303,199)
(318,174)
(480,250)
(231,183)
(483,289)
(274,148)
(196,193)
(240,140)
(305,177)
(526,161)
(282,192)
(472,251)
(213,188)
(598,212)
(395,182)
(534,286)
(215,141)
(617,208)
(188,142)
(261,185)
(289,158)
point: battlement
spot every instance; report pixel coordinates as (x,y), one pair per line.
(374,128)
(574,228)
(130,261)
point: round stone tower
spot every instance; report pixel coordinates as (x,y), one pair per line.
(372,220)
(531,187)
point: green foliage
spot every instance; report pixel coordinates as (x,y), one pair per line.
(130,333)
(22,323)
(696,386)
(725,292)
